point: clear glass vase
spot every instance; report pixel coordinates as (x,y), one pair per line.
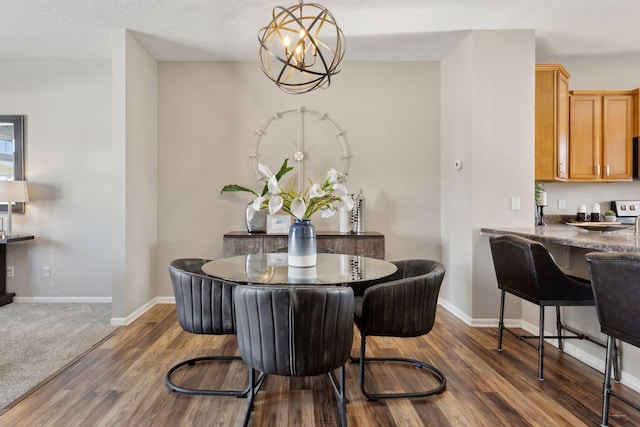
(302,246)
(256,221)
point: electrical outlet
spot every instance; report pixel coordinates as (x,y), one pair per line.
(10,271)
(46,271)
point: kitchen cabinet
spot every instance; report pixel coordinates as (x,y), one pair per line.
(636,112)
(600,135)
(552,122)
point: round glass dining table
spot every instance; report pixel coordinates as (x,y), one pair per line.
(273,268)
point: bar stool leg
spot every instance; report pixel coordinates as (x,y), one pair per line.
(501,321)
(559,328)
(541,344)
(606,387)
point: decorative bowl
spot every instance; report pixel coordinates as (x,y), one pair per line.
(600,226)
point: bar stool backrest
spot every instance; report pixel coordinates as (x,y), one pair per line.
(615,279)
(525,268)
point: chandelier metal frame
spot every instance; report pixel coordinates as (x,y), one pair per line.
(315,55)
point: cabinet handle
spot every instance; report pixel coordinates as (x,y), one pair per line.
(607,170)
(598,170)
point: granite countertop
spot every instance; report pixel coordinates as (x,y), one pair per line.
(568,235)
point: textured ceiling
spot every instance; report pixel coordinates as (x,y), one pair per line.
(375,29)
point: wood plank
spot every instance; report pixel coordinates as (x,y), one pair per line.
(121,382)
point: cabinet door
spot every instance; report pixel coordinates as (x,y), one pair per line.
(551,122)
(617,132)
(563,128)
(545,119)
(584,137)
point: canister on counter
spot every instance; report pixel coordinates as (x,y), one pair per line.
(595,213)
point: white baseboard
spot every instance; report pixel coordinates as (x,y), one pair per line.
(477,323)
(125,321)
(630,381)
(84,300)
(165,300)
(455,311)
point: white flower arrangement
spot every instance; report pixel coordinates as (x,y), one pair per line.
(326,196)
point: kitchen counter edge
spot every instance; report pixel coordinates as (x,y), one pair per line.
(571,236)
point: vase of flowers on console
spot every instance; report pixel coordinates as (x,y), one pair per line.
(326,196)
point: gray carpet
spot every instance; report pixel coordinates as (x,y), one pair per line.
(37,339)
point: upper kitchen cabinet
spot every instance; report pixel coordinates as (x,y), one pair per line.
(636,112)
(552,122)
(600,135)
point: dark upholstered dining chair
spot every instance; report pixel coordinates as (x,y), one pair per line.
(403,305)
(615,280)
(295,331)
(525,268)
(204,306)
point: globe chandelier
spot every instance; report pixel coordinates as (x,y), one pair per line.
(302,48)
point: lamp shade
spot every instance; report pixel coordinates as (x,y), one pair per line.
(13,191)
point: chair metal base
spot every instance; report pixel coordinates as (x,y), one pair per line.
(173,387)
(254,387)
(362,360)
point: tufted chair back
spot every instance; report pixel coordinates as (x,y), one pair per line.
(294,330)
(404,305)
(204,304)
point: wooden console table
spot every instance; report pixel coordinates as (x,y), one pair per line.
(7,297)
(370,244)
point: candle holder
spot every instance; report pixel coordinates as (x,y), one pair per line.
(541,216)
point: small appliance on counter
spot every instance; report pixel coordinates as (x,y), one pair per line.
(626,210)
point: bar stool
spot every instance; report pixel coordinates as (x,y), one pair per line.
(524,268)
(615,279)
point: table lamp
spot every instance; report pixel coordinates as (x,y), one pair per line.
(12,192)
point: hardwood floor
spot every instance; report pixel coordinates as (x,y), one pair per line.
(121,383)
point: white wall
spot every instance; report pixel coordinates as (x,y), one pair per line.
(93,199)
(503,149)
(456,144)
(487,122)
(134,220)
(209,112)
(68,168)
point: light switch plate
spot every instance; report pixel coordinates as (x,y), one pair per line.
(562,204)
(515,203)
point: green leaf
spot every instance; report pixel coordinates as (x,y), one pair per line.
(283,170)
(234,187)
